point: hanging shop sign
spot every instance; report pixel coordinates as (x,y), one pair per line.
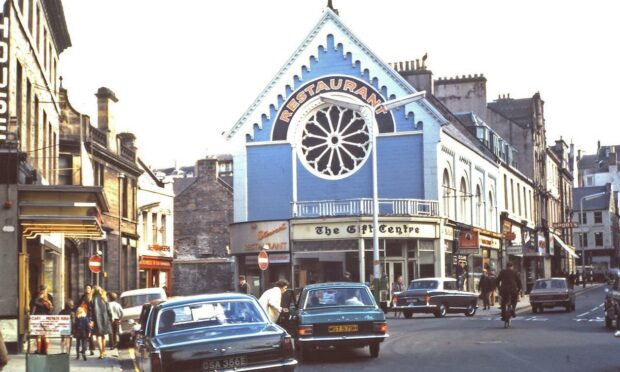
(542,244)
(486,241)
(4,77)
(468,242)
(254,236)
(341,84)
(343,230)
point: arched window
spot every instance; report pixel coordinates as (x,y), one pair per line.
(491,212)
(478,206)
(447,193)
(464,200)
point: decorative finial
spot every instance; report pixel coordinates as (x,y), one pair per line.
(331,6)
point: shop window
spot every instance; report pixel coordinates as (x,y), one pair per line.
(598,239)
(447,193)
(598,217)
(464,199)
(584,218)
(584,239)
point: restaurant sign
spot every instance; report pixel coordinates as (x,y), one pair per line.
(49,325)
(343,230)
(253,236)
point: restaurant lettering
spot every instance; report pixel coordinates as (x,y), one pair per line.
(4,77)
(262,234)
(367,229)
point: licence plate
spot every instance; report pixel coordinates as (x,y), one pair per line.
(413,301)
(227,363)
(342,328)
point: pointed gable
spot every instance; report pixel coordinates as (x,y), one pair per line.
(330,49)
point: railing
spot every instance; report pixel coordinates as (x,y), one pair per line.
(99,137)
(128,153)
(363,207)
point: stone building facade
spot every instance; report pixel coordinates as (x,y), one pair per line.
(203,211)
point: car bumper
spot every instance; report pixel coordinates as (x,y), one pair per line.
(290,363)
(550,303)
(361,340)
(426,308)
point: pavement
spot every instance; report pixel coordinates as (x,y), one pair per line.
(523,306)
(17,362)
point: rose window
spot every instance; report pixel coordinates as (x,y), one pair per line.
(335,141)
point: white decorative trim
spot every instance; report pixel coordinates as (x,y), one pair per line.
(401,134)
(267,143)
(328,24)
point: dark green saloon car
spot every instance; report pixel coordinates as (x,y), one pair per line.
(337,315)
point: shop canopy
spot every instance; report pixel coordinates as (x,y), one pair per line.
(569,249)
(68,209)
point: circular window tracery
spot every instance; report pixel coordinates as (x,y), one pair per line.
(335,141)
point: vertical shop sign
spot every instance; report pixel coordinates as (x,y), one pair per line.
(4,76)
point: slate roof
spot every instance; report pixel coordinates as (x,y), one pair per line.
(517,110)
(181,184)
(598,203)
(601,161)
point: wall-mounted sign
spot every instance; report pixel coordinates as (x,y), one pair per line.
(341,84)
(542,245)
(486,241)
(564,225)
(468,242)
(253,236)
(49,325)
(4,77)
(343,230)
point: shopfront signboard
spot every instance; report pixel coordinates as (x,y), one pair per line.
(469,242)
(251,237)
(355,230)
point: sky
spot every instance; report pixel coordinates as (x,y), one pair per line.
(186,70)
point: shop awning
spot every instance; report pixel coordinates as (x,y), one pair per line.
(570,250)
(71,210)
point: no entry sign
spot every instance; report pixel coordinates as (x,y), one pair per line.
(263,260)
(94,264)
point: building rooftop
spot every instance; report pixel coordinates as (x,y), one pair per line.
(597,203)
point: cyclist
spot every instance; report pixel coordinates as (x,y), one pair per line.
(509,286)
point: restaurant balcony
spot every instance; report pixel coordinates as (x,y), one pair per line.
(363,207)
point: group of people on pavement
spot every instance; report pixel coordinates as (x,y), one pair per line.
(96,316)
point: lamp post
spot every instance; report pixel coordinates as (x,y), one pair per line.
(583,250)
(369,114)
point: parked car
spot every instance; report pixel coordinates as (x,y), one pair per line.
(437,296)
(335,315)
(552,292)
(612,302)
(131,302)
(214,332)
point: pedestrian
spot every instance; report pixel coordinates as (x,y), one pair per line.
(65,341)
(571,280)
(347,277)
(492,295)
(397,287)
(460,275)
(101,319)
(485,286)
(42,306)
(244,287)
(4,355)
(81,332)
(116,315)
(86,303)
(271,300)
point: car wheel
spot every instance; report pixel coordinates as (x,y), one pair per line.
(573,307)
(608,322)
(568,307)
(534,309)
(441,311)
(618,321)
(374,350)
(541,309)
(408,314)
(471,310)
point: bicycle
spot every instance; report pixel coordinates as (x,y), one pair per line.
(508,310)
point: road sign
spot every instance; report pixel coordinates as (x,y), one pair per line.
(94,264)
(263,260)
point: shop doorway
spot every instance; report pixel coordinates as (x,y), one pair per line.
(394,269)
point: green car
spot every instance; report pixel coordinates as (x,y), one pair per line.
(337,315)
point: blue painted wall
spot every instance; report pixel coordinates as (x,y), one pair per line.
(269,182)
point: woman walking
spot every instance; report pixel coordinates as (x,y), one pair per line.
(101,319)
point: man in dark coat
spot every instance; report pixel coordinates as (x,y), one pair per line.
(485,286)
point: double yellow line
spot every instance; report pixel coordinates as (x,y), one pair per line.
(132,354)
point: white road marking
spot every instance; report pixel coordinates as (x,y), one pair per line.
(584,314)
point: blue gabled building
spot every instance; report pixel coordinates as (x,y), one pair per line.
(303,171)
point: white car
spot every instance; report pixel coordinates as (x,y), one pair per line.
(131,302)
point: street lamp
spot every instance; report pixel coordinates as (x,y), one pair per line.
(583,250)
(369,114)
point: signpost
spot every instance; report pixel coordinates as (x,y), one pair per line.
(263,260)
(94,264)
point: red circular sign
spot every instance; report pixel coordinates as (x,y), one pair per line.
(94,264)
(263,260)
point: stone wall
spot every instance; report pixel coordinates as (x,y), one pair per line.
(201,276)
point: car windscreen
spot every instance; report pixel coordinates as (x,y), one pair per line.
(347,297)
(209,314)
(550,284)
(138,300)
(423,284)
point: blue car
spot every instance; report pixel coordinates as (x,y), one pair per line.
(337,315)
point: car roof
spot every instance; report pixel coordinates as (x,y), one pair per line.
(140,291)
(335,284)
(180,301)
(435,278)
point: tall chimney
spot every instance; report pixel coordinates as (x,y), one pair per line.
(106,119)
(463,94)
(206,167)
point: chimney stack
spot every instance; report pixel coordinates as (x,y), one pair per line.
(206,167)
(106,119)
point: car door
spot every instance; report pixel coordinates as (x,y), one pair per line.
(141,335)
(455,298)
